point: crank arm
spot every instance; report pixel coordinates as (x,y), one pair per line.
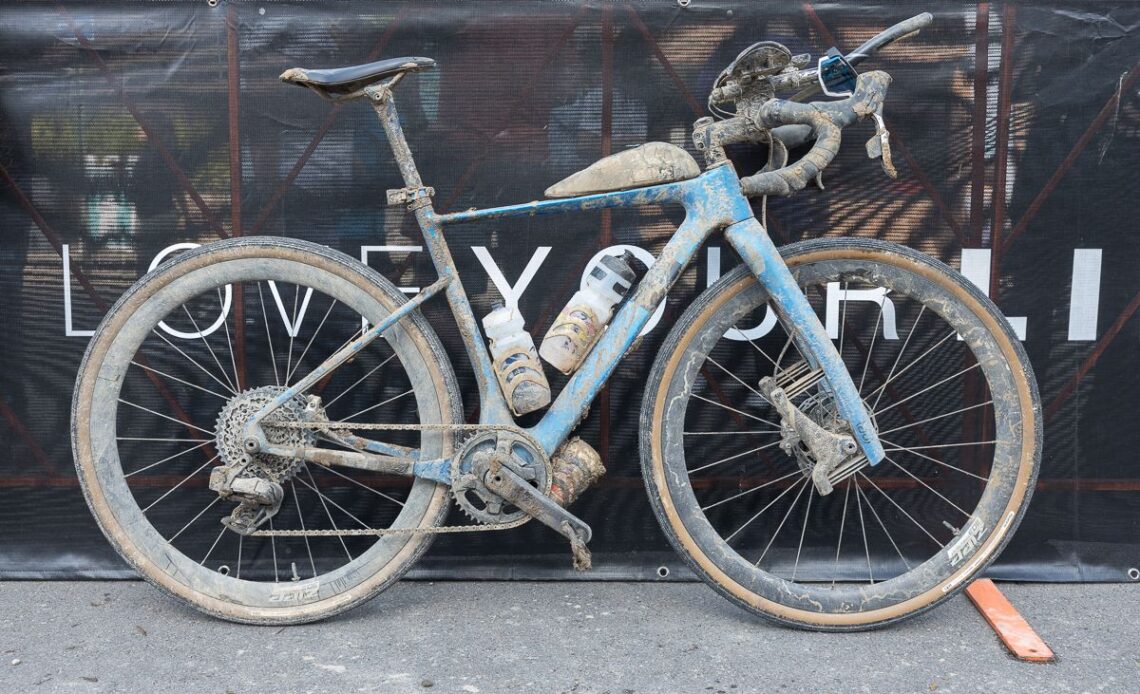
(509,485)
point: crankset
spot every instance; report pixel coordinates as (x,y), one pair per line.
(503,476)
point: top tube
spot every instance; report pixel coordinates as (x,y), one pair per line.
(680,192)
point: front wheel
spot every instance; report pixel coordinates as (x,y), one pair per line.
(951,394)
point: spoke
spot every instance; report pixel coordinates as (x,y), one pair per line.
(783,520)
(843,318)
(803,532)
(193,361)
(359,380)
(931,419)
(207,508)
(240,543)
(783,351)
(901,352)
(184,481)
(733,457)
(175,378)
(928,388)
(933,460)
(730,433)
(900,508)
(295,328)
(229,343)
(289,375)
(793,473)
(328,513)
(379,404)
(338,506)
(145,438)
(172,457)
(733,409)
(871,349)
(762,352)
(736,378)
(919,358)
(301,517)
(365,486)
(159,414)
(211,550)
(265,316)
(273,549)
(942,445)
(885,531)
(932,489)
(863,529)
(209,349)
(766,507)
(839,544)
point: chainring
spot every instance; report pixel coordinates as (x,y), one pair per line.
(473,462)
(230,432)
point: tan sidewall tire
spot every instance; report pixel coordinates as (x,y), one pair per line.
(344,270)
(727,288)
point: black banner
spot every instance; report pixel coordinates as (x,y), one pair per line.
(130,128)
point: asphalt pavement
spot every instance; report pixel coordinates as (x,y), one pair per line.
(484,637)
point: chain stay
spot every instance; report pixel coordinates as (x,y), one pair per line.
(380,532)
(441,530)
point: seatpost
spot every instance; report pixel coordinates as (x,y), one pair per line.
(415,194)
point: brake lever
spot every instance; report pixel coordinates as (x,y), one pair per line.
(879,146)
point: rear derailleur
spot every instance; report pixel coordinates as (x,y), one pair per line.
(258,499)
(254,480)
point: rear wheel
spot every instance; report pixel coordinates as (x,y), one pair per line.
(953,399)
(180,363)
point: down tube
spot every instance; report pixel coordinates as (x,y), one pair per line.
(751,241)
(589,379)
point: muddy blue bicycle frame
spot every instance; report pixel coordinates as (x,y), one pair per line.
(712,201)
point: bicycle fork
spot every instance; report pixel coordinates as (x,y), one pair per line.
(832,451)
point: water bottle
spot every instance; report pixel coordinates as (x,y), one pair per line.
(516,365)
(582,321)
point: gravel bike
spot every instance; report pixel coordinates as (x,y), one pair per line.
(893,445)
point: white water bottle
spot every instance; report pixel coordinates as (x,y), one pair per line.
(516,365)
(581,322)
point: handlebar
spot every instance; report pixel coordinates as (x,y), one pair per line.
(787,122)
(825,120)
(885,38)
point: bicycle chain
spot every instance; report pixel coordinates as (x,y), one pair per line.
(380,532)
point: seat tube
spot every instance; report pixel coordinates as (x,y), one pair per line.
(751,241)
(493,406)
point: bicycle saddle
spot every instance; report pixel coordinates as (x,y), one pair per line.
(346,80)
(650,164)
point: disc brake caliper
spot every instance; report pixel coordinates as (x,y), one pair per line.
(827,448)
